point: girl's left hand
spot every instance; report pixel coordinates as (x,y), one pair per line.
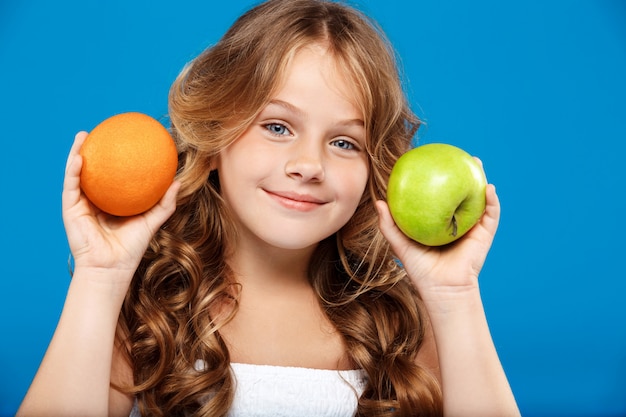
(445,271)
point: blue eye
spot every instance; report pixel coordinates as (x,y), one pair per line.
(277,129)
(343,144)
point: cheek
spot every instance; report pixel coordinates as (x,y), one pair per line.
(244,161)
(354,183)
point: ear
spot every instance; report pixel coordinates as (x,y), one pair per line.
(214,162)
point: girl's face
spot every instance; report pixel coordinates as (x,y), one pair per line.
(297,174)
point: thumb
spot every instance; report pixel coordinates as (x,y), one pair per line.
(400,243)
(158,214)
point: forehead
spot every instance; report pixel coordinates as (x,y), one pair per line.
(317,62)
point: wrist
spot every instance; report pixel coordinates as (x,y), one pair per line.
(445,301)
(111,281)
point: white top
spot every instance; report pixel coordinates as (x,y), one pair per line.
(276,391)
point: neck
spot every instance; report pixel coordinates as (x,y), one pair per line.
(269,267)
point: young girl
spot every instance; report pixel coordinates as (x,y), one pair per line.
(270,279)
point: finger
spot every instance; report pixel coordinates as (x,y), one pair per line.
(79,139)
(73,166)
(71,183)
(493,204)
(491,218)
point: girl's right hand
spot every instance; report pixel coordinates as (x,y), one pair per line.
(102,242)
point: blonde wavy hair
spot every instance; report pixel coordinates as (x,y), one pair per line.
(165,323)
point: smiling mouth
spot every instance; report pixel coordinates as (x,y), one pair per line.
(295,201)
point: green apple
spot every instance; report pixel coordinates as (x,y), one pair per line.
(436,193)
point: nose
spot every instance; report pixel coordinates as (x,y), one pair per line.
(305,162)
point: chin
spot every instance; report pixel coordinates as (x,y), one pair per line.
(294,244)
(294,240)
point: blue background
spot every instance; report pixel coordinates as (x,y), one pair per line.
(537,89)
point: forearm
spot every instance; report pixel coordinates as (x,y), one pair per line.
(473,380)
(74,376)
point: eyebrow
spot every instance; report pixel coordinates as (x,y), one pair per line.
(298,112)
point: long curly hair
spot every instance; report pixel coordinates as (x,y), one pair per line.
(165,325)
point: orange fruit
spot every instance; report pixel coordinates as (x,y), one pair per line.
(129,161)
